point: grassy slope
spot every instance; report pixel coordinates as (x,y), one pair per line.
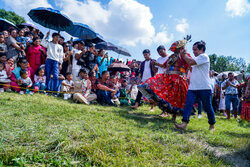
(38,130)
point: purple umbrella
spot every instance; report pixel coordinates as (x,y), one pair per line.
(30,26)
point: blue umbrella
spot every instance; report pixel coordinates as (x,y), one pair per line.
(51,18)
(106,46)
(82,31)
(122,51)
(6,24)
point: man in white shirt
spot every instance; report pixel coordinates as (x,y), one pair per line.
(162,52)
(200,84)
(147,71)
(54,60)
(77,54)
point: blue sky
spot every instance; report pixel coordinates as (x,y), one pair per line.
(224,25)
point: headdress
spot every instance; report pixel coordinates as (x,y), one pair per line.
(180,43)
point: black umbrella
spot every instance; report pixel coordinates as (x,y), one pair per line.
(51,18)
(6,24)
(96,40)
(106,46)
(122,51)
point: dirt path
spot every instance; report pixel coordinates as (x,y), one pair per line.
(234,158)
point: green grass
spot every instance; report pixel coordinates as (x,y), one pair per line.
(42,130)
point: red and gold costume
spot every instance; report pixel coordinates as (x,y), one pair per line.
(169,89)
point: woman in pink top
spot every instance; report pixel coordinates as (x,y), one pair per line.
(15,75)
(36,54)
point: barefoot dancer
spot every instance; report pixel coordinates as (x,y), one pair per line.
(169,89)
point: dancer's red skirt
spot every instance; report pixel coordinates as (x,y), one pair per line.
(170,87)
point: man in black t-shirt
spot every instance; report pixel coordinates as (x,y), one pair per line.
(104,90)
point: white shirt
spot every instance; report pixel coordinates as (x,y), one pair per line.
(161,60)
(54,51)
(3,74)
(200,79)
(74,61)
(212,82)
(147,72)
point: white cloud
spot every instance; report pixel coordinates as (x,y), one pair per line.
(163,37)
(23,7)
(126,21)
(182,26)
(237,7)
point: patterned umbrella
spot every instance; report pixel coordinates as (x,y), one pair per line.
(51,18)
(118,67)
(6,24)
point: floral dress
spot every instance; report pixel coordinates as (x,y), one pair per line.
(168,90)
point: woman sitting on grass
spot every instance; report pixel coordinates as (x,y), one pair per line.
(22,64)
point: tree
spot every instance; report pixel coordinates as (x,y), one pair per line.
(226,63)
(11,16)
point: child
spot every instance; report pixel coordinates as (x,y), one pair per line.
(3,77)
(25,82)
(67,86)
(39,80)
(11,63)
(124,98)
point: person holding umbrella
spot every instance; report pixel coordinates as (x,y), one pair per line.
(54,59)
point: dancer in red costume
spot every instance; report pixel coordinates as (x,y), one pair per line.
(169,89)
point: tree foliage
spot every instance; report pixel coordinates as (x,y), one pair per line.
(11,16)
(226,63)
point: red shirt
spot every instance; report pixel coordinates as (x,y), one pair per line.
(35,57)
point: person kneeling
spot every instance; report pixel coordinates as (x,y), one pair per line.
(105,93)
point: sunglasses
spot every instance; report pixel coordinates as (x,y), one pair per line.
(24,62)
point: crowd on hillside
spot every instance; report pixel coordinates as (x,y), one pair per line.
(29,64)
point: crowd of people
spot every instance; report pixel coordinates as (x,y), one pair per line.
(176,83)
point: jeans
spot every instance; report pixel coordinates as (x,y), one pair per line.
(23,86)
(240,107)
(138,97)
(205,96)
(51,85)
(232,99)
(41,86)
(52,67)
(104,97)
(198,100)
